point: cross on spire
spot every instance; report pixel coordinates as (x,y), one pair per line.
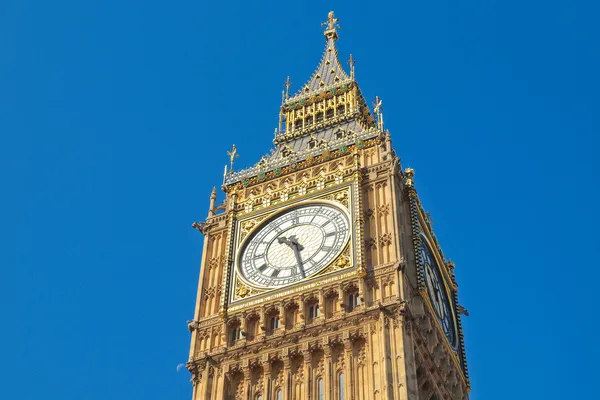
(331,24)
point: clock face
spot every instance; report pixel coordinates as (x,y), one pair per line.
(437,292)
(294,245)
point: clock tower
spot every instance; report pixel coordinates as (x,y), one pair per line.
(321,277)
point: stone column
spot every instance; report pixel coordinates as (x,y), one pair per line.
(328,384)
(321,304)
(282,316)
(243,325)
(201,380)
(341,298)
(224,334)
(348,368)
(385,349)
(261,321)
(307,374)
(287,372)
(266,364)
(301,309)
(361,292)
(220,385)
(247,381)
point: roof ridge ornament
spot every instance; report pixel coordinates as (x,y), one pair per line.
(331,23)
(287,85)
(378,110)
(351,63)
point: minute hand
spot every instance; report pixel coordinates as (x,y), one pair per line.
(299,261)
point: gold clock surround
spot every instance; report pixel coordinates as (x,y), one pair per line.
(339,197)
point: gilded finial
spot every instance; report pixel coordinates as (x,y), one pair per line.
(287,85)
(351,63)
(378,110)
(410,173)
(232,156)
(331,24)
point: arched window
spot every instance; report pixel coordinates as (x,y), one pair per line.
(259,397)
(313,311)
(278,395)
(236,333)
(320,390)
(342,393)
(275,323)
(353,300)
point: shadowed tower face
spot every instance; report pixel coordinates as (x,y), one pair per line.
(321,277)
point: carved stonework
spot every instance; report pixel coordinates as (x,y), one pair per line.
(242,290)
(363,314)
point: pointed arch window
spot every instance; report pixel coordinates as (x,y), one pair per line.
(320,389)
(342,391)
(278,395)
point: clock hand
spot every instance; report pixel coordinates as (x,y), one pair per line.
(292,243)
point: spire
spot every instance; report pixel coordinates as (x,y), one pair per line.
(328,113)
(329,73)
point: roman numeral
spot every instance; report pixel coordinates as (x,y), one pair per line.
(262,267)
(275,273)
(331,234)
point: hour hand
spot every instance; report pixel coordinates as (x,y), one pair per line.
(292,242)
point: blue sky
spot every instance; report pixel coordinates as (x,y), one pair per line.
(115,118)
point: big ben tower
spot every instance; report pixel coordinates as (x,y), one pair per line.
(321,277)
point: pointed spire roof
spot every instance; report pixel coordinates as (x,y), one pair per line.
(329,73)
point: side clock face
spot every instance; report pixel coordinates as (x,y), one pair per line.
(294,245)
(437,292)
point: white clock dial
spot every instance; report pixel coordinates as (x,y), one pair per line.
(294,245)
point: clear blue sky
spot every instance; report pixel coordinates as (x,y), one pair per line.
(115,117)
